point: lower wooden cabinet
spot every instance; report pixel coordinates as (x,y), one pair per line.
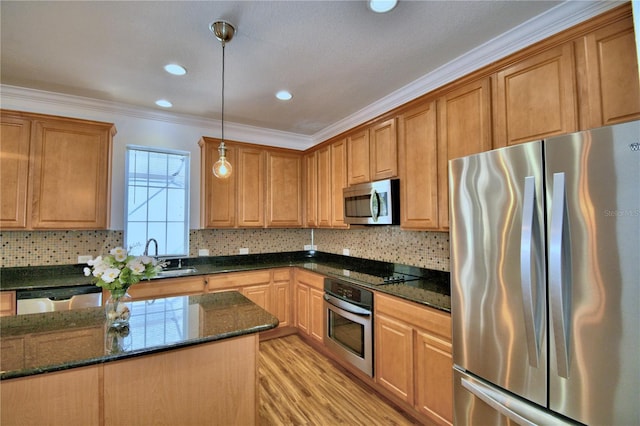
(7,303)
(166,287)
(309,291)
(268,288)
(413,356)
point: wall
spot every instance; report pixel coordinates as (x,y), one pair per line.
(386,243)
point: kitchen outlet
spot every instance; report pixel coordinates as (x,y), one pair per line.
(85,258)
(310,247)
(203,252)
(346,251)
(244,250)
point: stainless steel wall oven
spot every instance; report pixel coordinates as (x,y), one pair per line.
(348,323)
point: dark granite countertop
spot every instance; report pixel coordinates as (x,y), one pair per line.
(432,289)
(53,341)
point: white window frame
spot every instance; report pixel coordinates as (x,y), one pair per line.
(162,246)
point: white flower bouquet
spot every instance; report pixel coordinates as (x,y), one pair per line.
(118,270)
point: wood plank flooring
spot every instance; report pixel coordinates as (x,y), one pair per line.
(300,386)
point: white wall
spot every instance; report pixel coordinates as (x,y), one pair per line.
(144,127)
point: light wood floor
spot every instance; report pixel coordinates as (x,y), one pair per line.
(300,386)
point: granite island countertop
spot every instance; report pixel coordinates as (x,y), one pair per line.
(431,289)
(54,341)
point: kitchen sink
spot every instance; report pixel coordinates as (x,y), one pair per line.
(176,272)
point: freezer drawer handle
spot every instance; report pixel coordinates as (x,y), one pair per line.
(495,401)
(531,279)
(560,273)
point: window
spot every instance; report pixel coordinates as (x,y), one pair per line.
(157,201)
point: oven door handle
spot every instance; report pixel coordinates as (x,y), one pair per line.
(346,306)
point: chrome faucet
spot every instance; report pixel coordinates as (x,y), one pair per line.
(146,247)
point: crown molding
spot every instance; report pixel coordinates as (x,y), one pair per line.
(553,21)
(24,99)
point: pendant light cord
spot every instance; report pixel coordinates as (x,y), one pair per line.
(222,124)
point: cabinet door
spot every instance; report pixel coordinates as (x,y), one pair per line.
(464,128)
(358,157)
(311,189)
(339,181)
(260,295)
(14,171)
(418,168)
(325,191)
(384,150)
(394,357)
(250,192)
(71,174)
(284,189)
(7,303)
(434,377)
(218,196)
(536,97)
(281,302)
(316,314)
(302,308)
(610,70)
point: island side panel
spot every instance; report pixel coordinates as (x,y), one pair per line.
(211,383)
(70,397)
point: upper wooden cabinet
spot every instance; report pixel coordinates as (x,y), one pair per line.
(608,75)
(69,172)
(284,189)
(311,188)
(418,168)
(536,97)
(373,153)
(265,188)
(331,162)
(325,189)
(464,128)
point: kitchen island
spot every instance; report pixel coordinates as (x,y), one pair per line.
(182,360)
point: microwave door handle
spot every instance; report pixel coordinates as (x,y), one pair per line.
(374,205)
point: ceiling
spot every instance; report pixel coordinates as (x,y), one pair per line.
(336,57)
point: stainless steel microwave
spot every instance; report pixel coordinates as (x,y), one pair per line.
(373,203)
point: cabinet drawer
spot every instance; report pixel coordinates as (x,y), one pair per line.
(281,274)
(238,279)
(7,303)
(167,287)
(310,279)
(418,316)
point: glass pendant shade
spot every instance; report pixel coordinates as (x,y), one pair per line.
(222,168)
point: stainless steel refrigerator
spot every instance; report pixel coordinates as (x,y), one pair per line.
(545,273)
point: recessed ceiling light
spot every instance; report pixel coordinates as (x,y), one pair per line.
(382,6)
(164,103)
(284,95)
(175,69)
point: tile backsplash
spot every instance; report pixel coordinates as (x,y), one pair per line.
(386,243)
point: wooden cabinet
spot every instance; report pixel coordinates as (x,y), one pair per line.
(309,301)
(250,193)
(7,303)
(536,97)
(311,189)
(608,75)
(69,172)
(284,189)
(14,171)
(268,288)
(373,153)
(418,168)
(338,182)
(358,157)
(383,155)
(166,287)
(325,189)
(264,190)
(413,356)
(217,196)
(464,128)
(332,178)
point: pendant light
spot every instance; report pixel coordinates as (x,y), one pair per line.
(224,32)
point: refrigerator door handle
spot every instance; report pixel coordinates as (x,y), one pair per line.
(495,400)
(560,274)
(531,279)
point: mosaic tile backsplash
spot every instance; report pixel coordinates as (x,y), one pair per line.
(385,243)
